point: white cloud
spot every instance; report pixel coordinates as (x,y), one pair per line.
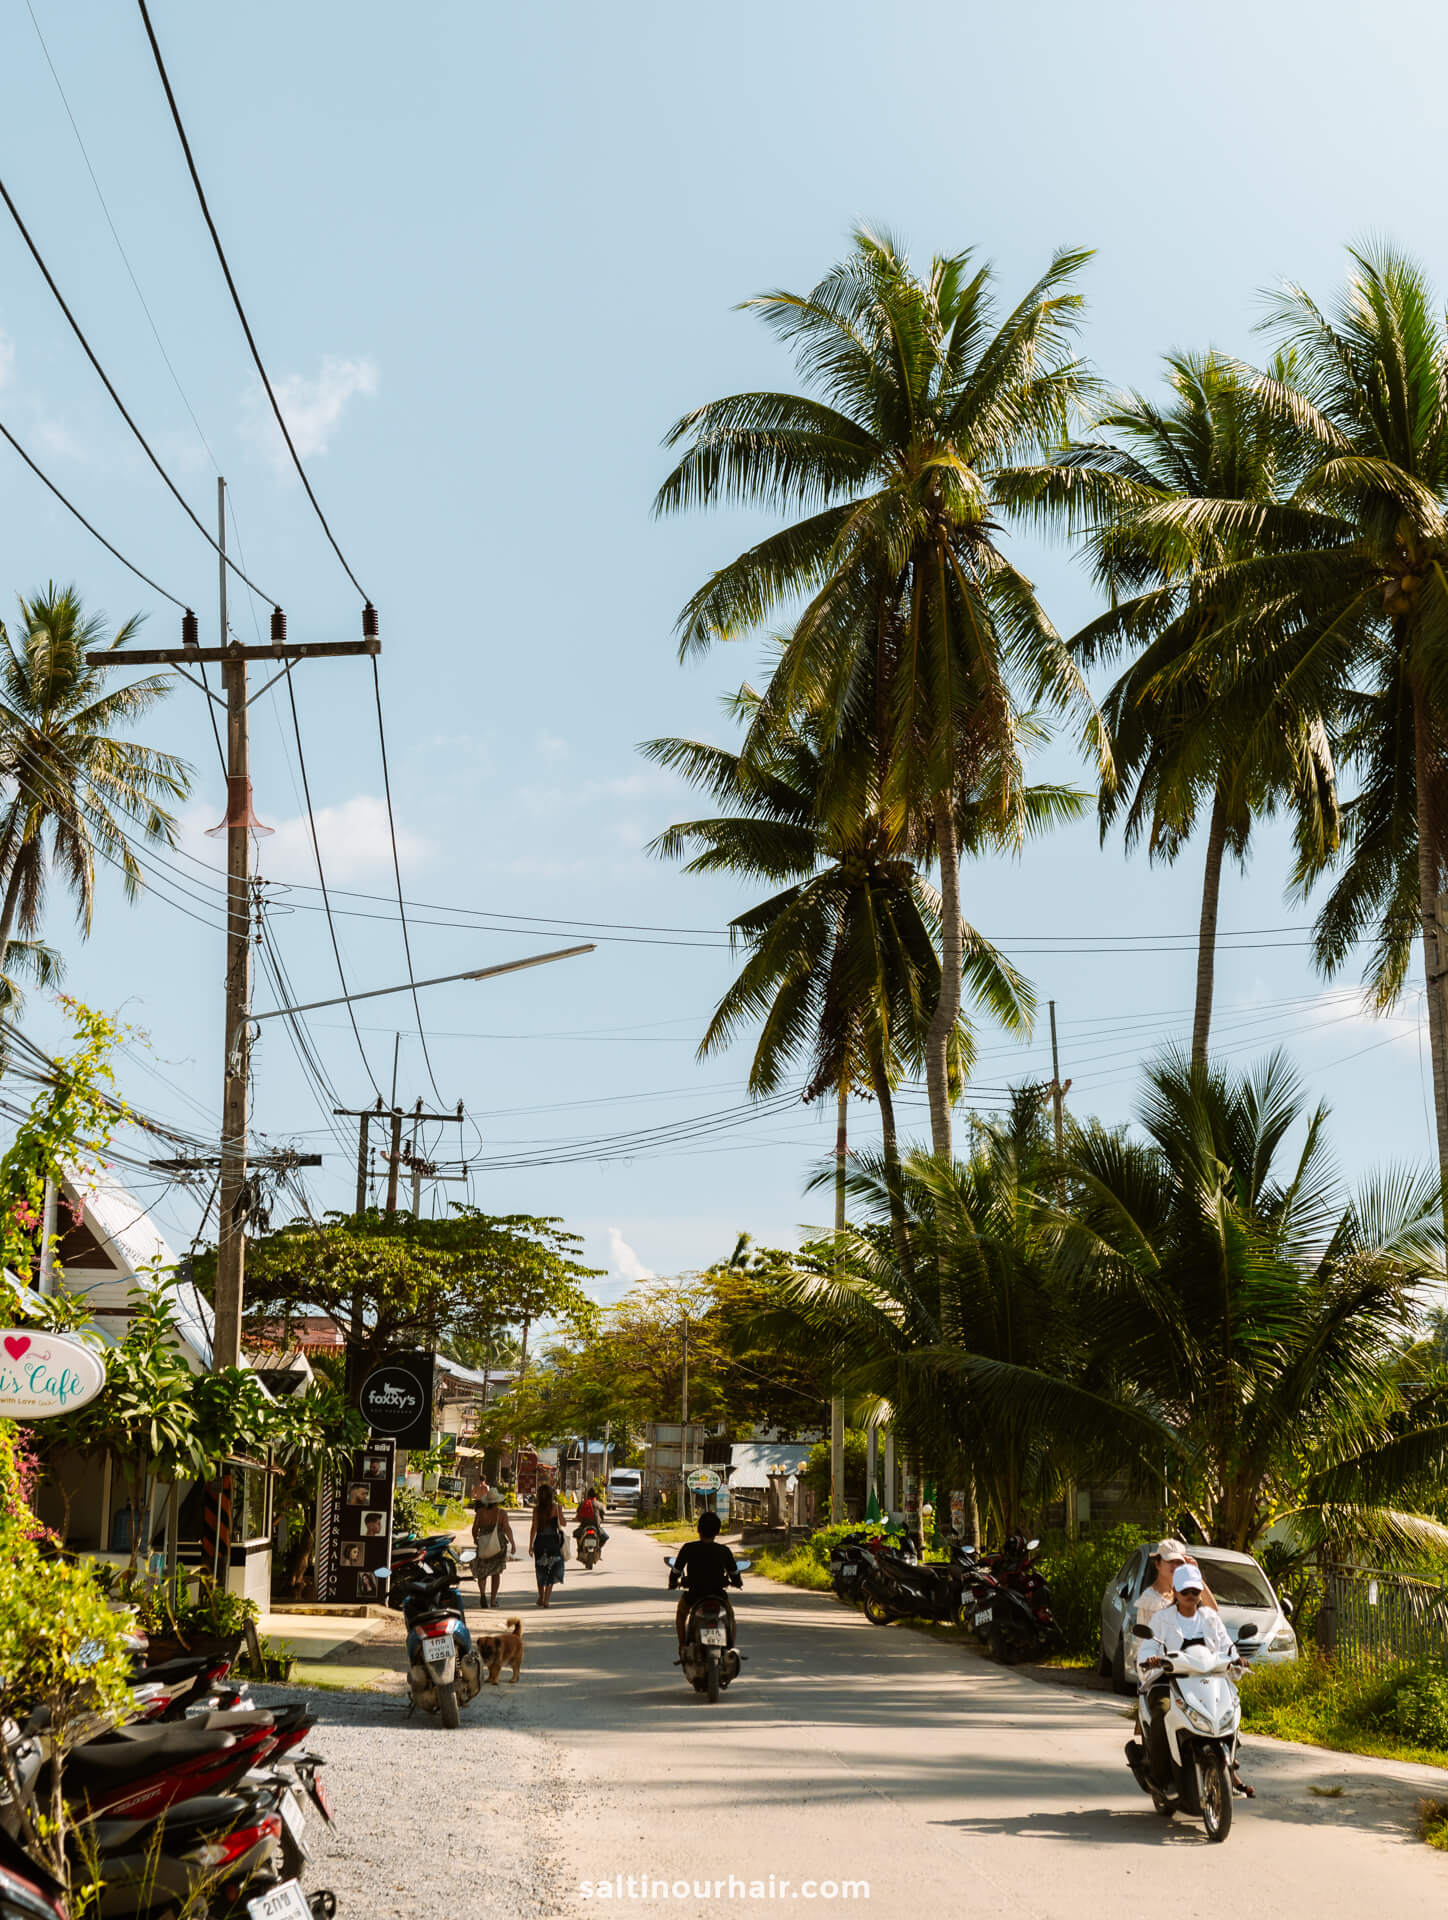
(624,1261)
(7,358)
(548,746)
(312,408)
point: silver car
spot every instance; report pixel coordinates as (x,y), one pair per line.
(1239,1586)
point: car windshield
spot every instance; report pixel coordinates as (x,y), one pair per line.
(1236,1585)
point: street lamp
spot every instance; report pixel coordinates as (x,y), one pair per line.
(440,980)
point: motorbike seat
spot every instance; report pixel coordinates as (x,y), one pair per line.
(131,1753)
(237,1719)
(187,1819)
(166,1673)
(429,1616)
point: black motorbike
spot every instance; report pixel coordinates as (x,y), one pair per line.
(589,1546)
(852,1558)
(710,1658)
(895,1588)
(1012,1613)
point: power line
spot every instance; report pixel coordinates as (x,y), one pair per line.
(321,876)
(94,532)
(109,386)
(397,872)
(236,297)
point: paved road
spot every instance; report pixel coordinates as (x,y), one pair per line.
(849,1752)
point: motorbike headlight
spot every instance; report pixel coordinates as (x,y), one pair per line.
(1200,1721)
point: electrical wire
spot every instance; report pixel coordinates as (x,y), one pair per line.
(109,386)
(94,532)
(236,297)
(321,876)
(397,871)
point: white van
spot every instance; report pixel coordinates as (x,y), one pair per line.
(625,1487)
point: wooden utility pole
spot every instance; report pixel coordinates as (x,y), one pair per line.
(363,1116)
(238,826)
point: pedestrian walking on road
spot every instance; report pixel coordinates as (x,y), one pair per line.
(492,1542)
(545,1543)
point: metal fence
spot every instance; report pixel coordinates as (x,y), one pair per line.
(1369,1620)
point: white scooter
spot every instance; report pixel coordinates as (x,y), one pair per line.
(1203,1723)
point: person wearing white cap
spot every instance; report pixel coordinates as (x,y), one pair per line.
(1166,1556)
(1186,1618)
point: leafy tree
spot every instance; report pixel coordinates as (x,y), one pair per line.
(390,1280)
(70,779)
(921,396)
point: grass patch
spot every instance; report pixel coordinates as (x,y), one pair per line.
(1433,1823)
(1398,1715)
(672,1531)
(797,1568)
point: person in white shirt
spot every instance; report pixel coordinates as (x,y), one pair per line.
(1186,1619)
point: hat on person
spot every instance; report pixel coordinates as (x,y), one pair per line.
(1168,1550)
(1187,1579)
(484,1495)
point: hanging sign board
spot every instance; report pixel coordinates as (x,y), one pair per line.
(703,1480)
(396,1400)
(43,1374)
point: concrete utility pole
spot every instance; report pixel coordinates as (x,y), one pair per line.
(837,1402)
(684,1422)
(238,827)
(395,1155)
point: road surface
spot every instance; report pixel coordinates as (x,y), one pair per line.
(845,1753)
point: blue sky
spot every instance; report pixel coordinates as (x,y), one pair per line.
(490,255)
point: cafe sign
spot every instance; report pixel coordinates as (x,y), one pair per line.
(43,1374)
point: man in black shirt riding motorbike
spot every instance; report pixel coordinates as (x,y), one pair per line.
(704,1569)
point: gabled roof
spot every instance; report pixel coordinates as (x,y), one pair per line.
(112,1247)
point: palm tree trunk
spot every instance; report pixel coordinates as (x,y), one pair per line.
(1207,935)
(837,1404)
(1435,942)
(952,955)
(890,1147)
(8,910)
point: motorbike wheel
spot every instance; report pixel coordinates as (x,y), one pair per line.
(876,1612)
(1216,1797)
(447,1704)
(713,1679)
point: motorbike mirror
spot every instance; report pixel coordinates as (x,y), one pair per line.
(1248,1632)
(466,1557)
(1141,1630)
(744,1565)
(1031,1545)
(381,1573)
(668,1559)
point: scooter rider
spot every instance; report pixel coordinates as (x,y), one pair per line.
(703,1568)
(589,1514)
(1186,1619)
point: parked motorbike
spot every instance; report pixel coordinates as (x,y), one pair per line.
(852,1557)
(1011,1605)
(894,1588)
(710,1658)
(27,1891)
(1203,1731)
(444,1671)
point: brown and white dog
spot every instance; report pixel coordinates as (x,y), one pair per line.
(505,1649)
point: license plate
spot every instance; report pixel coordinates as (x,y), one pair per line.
(291,1812)
(286,1902)
(714,1636)
(982,1617)
(437,1652)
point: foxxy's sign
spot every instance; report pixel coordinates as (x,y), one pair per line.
(43,1374)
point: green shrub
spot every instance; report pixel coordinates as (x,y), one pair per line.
(1420,1712)
(1404,1710)
(1077,1572)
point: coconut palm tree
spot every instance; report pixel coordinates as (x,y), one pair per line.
(843,968)
(1347,607)
(1180,715)
(72,789)
(919,393)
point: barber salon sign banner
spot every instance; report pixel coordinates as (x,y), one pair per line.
(43,1374)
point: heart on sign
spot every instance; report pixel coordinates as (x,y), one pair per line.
(16,1344)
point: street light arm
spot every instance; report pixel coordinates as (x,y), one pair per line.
(441,980)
